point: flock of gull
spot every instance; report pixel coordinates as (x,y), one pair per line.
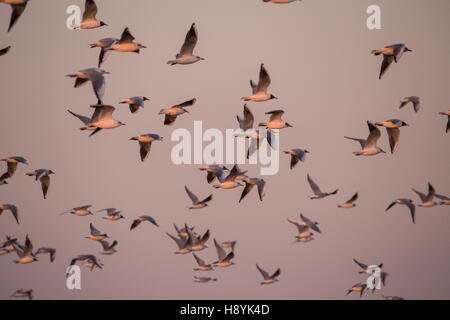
(187,240)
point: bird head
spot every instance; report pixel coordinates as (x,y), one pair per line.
(288,125)
(145,98)
(273,97)
(102,24)
(407,49)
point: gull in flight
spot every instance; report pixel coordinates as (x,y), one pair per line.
(135,103)
(259,91)
(296,156)
(246,122)
(173,112)
(25,254)
(407,202)
(250,183)
(445,200)
(427,199)
(81,211)
(224,259)
(145,143)
(12,163)
(126,43)
(359,287)
(138,221)
(102,118)
(44,177)
(11,208)
(103,44)
(196,203)
(184,243)
(197,242)
(186,55)
(315,188)
(204,279)
(369,146)
(8,246)
(202,266)
(112,214)
(275,121)
(89,20)
(230,181)
(96,76)
(268,279)
(96,234)
(349,203)
(21,293)
(447,113)
(18,7)
(392,128)
(108,249)
(366,270)
(414,100)
(214,171)
(89,258)
(390,53)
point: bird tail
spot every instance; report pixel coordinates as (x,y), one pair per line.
(172,62)
(335,191)
(92,45)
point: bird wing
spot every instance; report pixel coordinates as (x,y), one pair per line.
(275,115)
(144,149)
(45,184)
(106,112)
(394,137)
(207,199)
(94,231)
(82,118)
(310,223)
(28,247)
(315,188)
(362,265)
(150,219)
(17,10)
(221,254)
(4,50)
(422,196)
(387,61)
(191,195)
(263,272)
(362,142)
(247,189)
(90,10)
(248,119)
(374,135)
(126,36)
(185,104)
(353,199)
(189,42)
(264,80)
(200,262)
(13,210)
(261,188)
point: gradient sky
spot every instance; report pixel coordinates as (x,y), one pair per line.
(318,56)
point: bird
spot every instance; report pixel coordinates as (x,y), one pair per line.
(11,208)
(80,211)
(446,113)
(50,251)
(369,146)
(349,203)
(392,297)
(97,78)
(135,103)
(103,44)
(90,258)
(259,91)
(202,266)
(246,122)
(445,200)
(184,243)
(414,100)
(230,181)
(4,51)
(268,279)
(296,156)
(102,118)
(96,234)
(145,143)
(173,112)
(8,246)
(304,230)
(89,20)
(21,293)
(183,232)
(315,188)
(108,249)
(275,121)
(390,53)
(214,171)
(112,214)
(186,55)
(359,287)
(250,183)
(12,163)
(138,221)
(313,225)
(26,254)
(44,177)
(392,127)
(407,202)
(366,270)
(196,203)
(197,242)
(204,279)
(427,199)
(126,43)
(256,137)
(17,7)
(224,259)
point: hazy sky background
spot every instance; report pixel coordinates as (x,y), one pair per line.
(318,56)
